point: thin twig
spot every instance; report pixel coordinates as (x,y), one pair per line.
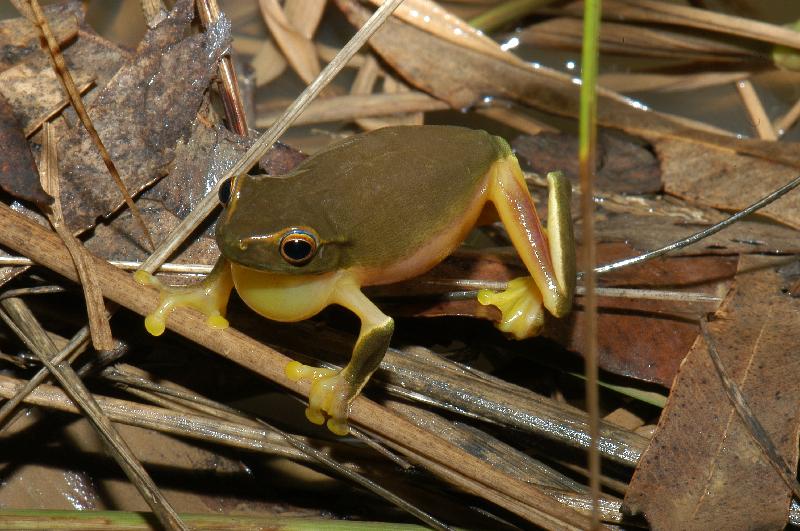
(785,122)
(72,350)
(231,96)
(758,116)
(95,307)
(698,236)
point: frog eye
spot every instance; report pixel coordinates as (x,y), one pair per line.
(298,246)
(225,191)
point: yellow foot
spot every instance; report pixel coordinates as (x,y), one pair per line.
(521,306)
(330,393)
(199,297)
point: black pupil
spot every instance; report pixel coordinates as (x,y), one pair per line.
(225,192)
(297,249)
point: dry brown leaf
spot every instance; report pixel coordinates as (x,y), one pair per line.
(431,17)
(702,469)
(719,178)
(19,39)
(304,15)
(140,115)
(298,49)
(268,63)
(628,39)
(647,231)
(18,175)
(34,90)
(623,166)
(632,82)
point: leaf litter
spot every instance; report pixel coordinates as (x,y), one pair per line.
(132,96)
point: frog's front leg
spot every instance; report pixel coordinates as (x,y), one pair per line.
(550,258)
(210,296)
(332,392)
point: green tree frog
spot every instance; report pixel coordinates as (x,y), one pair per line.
(377,208)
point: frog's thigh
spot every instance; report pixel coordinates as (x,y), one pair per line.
(551,262)
(210,296)
(331,391)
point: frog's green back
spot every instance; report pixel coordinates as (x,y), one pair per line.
(380,194)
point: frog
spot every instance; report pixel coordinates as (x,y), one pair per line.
(377,208)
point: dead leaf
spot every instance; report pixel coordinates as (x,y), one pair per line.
(298,48)
(34,91)
(629,82)
(140,115)
(647,339)
(18,174)
(19,39)
(628,39)
(623,166)
(651,11)
(702,469)
(645,232)
(719,178)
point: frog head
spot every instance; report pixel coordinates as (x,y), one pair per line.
(270,225)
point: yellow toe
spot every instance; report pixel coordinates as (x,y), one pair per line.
(338,427)
(154,324)
(217,321)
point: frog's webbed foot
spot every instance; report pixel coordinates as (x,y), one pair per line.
(520,305)
(330,394)
(209,297)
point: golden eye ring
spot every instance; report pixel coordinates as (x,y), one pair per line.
(298,247)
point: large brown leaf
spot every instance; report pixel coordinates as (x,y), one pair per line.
(140,115)
(623,166)
(703,469)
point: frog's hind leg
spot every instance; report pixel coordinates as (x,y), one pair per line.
(550,258)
